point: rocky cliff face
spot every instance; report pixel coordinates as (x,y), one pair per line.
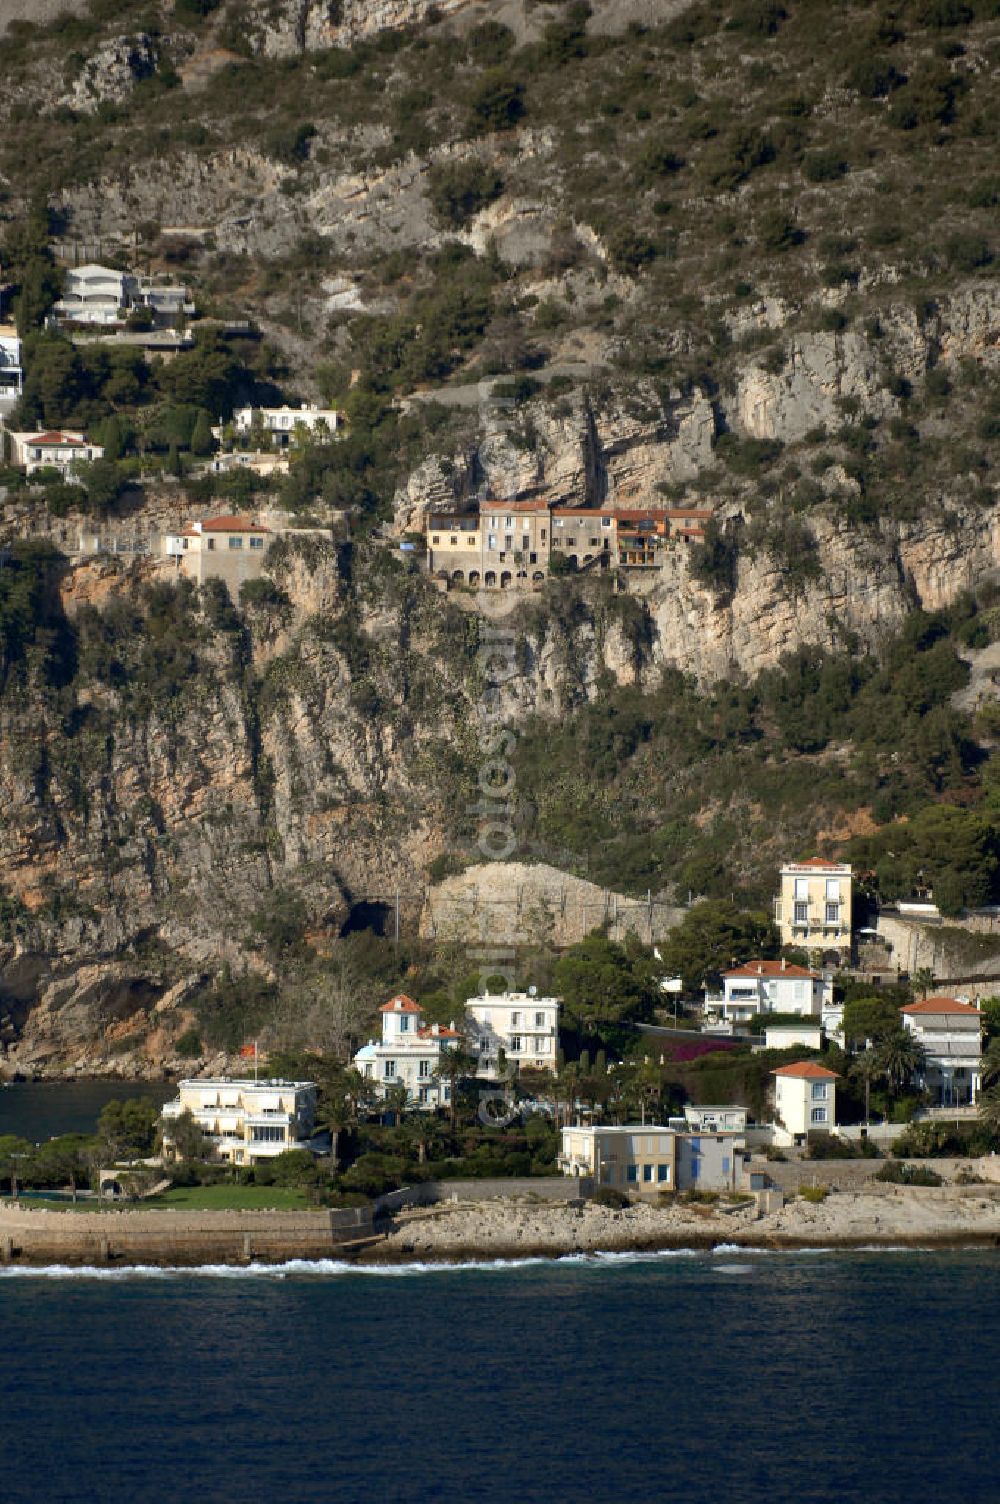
(111,73)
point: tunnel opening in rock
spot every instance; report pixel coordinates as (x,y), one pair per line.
(376,917)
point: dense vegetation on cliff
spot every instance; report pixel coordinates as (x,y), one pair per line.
(732,252)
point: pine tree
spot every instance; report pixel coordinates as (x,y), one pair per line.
(202,442)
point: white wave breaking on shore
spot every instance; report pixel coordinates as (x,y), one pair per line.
(338,1268)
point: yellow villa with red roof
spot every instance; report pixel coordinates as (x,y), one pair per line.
(814,907)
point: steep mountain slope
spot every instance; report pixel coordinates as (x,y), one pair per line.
(733,254)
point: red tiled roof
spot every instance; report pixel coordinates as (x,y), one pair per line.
(232,525)
(55,436)
(514,506)
(401,1004)
(939,1005)
(769,969)
(816,861)
(806,1070)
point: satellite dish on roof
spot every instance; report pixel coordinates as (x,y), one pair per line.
(532,991)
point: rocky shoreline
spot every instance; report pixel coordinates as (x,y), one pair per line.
(886,1216)
(453,1233)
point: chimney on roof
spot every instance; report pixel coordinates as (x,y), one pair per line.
(760,969)
(784,963)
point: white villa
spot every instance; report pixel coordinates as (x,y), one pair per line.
(247,1121)
(805,1101)
(409,1055)
(281,423)
(767,987)
(950,1032)
(11,371)
(727,1119)
(523,1026)
(104,296)
(261,462)
(56,448)
(92,294)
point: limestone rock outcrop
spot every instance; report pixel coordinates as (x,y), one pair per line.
(112,72)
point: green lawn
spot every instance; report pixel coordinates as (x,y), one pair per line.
(186,1198)
(227,1197)
(56,1204)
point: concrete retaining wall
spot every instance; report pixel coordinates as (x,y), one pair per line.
(177,1237)
(548,1188)
(859,1174)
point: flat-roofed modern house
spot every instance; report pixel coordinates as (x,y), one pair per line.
(524,1027)
(814,908)
(232,549)
(104,296)
(951,1034)
(647,1159)
(709,1119)
(636,1159)
(94,294)
(805,1101)
(246,1121)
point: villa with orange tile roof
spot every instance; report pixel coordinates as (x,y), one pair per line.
(520,1026)
(805,1101)
(950,1032)
(229,548)
(59,449)
(768,987)
(408,1055)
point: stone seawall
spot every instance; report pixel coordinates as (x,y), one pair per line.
(552,1188)
(178,1237)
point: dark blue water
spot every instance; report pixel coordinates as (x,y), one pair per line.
(38,1110)
(708,1379)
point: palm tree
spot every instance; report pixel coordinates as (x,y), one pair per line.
(455,1063)
(420,1130)
(901,1057)
(868,1068)
(990,1073)
(989,1106)
(923,980)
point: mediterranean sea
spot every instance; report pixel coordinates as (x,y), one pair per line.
(701,1378)
(38,1110)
